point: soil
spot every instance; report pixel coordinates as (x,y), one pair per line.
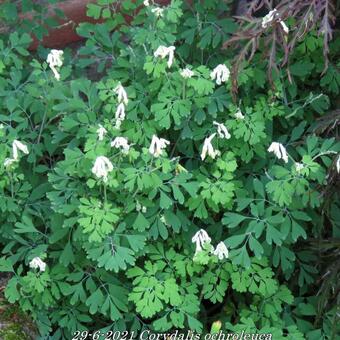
(14,324)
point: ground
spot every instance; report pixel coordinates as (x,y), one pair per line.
(14,324)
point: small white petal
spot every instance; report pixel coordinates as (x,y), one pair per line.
(239,115)
(163,51)
(120,112)
(16,146)
(36,263)
(285,27)
(222,130)
(158,11)
(122,95)
(200,238)
(267,19)
(299,166)
(54,59)
(208,148)
(220,73)
(338,165)
(9,161)
(279,151)
(102,167)
(121,143)
(157,145)
(221,251)
(186,73)
(101,132)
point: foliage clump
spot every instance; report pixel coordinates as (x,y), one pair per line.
(150,199)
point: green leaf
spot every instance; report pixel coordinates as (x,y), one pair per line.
(235,241)
(95,301)
(297,231)
(232,220)
(165,201)
(25,227)
(141,223)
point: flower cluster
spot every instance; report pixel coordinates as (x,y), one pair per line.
(16,147)
(157,11)
(279,151)
(208,148)
(55,60)
(267,19)
(38,263)
(121,143)
(220,73)
(122,102)
(239,115)
(157,145)
(186,73)
(102,167)
(201,239)
(163,52)
(222,131)
(101,132)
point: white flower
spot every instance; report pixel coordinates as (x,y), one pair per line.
(200,238)
(54,59)
(146,3)
(186,73)
(279,150)
(158,11)
(221,251)
(118,124)
(163,51)
(284,26)
(222,130)
(101,132)
(121,143)
(208,148)
(120,115)
(1,126)
(157,145)
(36,263)
(101,168)
(338,165)
(267,19)
(298,166)
(18,146)
(9,161)
(122,95)
(239,115)
(221,73)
